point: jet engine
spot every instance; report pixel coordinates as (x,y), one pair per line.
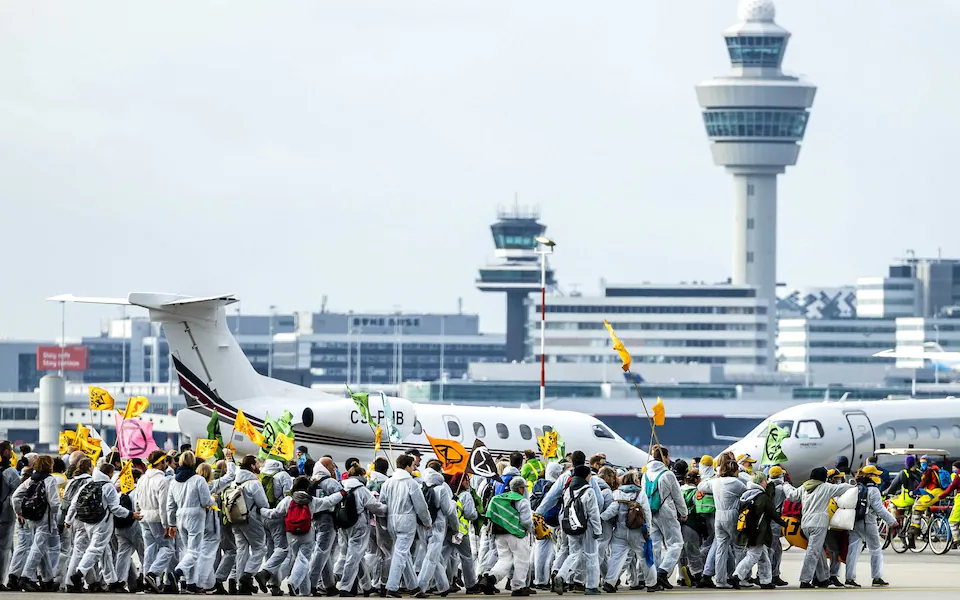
(342,418)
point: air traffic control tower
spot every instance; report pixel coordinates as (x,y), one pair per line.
(755,118)
(516,272)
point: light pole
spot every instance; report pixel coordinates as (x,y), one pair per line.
(443,320)
(806,355)
(63,334)
(936,365)
(273,310)
(544,247)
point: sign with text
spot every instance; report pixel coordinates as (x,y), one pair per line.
(75,358)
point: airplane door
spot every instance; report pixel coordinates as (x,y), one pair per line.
(452,424)
(864,442)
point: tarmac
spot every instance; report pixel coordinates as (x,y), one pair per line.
(908,575)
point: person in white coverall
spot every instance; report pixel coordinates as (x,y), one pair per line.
(276,549)
(866,529)
(206,578)
(626,540)
(188,499)
(81,476)
(726,490)
(815,495)
(301,544)
(250,536)
(446,522)
(377,559)
(358,535)
(406,511)
(44,551)
(514,552)
(9,480)
(584,546)
(462,549)
(659,481)
(325,484)
(544,549)
(97,535)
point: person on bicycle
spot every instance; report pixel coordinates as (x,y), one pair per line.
(927,491)
(902,487)
(954,519)
(865,529)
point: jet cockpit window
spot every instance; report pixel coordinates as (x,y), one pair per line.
(761,430)
(502,431)
(809,430)
(525,432)
(601,431)
(479,430)
(417,427)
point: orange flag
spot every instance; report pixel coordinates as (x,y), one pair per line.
(659,413)
(452,454)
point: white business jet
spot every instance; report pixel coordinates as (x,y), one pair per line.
(215,376)
(933,352)
(819,432)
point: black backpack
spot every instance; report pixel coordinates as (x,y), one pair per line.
(34,505)
(125,522)
(345,514)
(539,491)
(862,502)
(90,508)
(577,526)
(431,502)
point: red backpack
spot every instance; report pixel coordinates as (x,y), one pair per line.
(298,519)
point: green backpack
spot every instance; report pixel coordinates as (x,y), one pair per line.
(652,489)
(267,480)
(504,515)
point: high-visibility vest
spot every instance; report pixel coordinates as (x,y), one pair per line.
(464,523)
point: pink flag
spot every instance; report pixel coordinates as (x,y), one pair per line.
(134,437)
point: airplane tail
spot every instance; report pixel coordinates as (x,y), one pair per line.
(205,353)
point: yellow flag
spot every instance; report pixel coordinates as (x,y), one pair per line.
(100,399)
(548,444)
(245,427)
(91,447)
(206,448)
(376,439)
(659,413)
(127,483)
(135,407)
(67,438)
(82,433)
(618,346)
(283,446)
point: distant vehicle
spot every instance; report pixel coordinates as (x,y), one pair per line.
(215,376)
(931,351)
(820,432)
(893,460)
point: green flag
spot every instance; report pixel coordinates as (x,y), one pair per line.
(362,401)
(772,453)
(213,433)
(271,428)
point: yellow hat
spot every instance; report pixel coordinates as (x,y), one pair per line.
(706,460)
(834,473)
(872,472)
(746,458)
(776,471)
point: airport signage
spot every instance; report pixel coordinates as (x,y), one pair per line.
(75,358)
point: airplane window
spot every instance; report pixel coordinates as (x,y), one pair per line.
(601,431)
(891,434)
(502,431)
(453,428)
(935,432)
(547,429)
(525,432)
(809,430)
(538,431)
(479,430)
(956,431)
(417,427)
(912,432)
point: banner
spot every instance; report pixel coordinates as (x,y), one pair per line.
(394,432)
(282,447)
(213,433)
(272,429)
(481,462)
(207,448)
(100,399)
(135,407)
(134,437)
(659,413)
(451,453)
(67,439)
(126,480)
(772,453)
(619,347)
(245,427)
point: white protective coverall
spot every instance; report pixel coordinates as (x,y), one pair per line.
(250,536)
(726,497)
(358,536)
(406,512)
(866,530)
(627,540)
(514,552)
(212,530)
(44,553)
(463,550)
(276,550)
(584,547)
(544,549)
(151,501)
(666,526)
(322,560)
(92,546)
(380,549)
(9,481)
(446,522)
(815,496)
(188,499)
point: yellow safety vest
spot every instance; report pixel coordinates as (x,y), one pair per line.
(464,523)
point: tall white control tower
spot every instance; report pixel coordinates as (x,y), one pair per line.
(755,118)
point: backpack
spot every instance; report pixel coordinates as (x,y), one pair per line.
(431,502)
(235,505)
(944,476)
(744,513)
(573,517)
(68,495)
(317,492)
(504,515)
(862,504)
(540,489)
(90,508)
(34,505)
(125,522)
(652,489)
(503,485)
(266,479)
(298,518)
(345,514)
(540,528)
(635,518)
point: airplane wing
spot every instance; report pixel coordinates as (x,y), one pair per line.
(88,300)
(725,438)
(228,298)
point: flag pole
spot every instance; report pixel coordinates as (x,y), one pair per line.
(653,425)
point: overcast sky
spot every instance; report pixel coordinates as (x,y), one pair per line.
(283,151)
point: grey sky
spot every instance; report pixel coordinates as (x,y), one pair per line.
(286,150)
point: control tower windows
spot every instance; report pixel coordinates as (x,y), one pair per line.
(755,51)
(762,123)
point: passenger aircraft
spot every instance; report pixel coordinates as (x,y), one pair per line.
(933,352)
(822,431)
(215,375)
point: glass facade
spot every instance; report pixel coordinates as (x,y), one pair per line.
(753,122)
(755,51)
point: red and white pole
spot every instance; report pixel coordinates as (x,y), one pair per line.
(543,319)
